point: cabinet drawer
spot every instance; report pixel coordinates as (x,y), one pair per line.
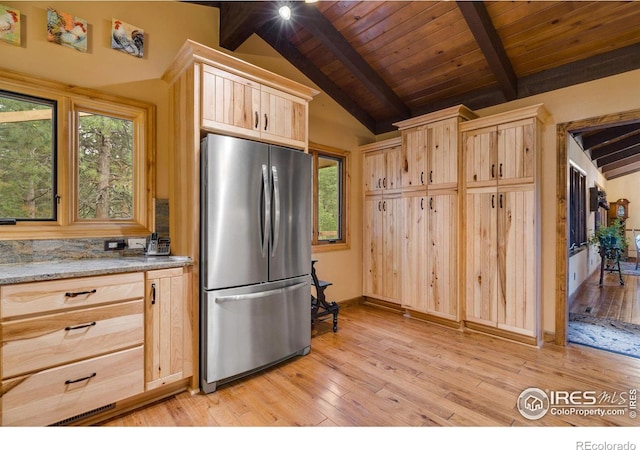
(54,296)
(39,343)
(53,395)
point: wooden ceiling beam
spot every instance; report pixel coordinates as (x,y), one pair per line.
(477,17)
(239,20)
(606,64)
(592,140)
(309,17)
(272,36)
(626,170)
(607,153)
(621,163)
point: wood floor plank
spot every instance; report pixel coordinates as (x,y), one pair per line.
(385,370)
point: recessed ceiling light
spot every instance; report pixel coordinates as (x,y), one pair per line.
(285,12)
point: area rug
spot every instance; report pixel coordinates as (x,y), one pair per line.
(629,268)
(604,334)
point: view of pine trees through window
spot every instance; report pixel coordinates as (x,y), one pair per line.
(329,195)
(27,158)
(105,167)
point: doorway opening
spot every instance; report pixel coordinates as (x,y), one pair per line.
(626,163)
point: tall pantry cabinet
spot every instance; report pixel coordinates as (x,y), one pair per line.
(411,215)
(382,215)
(430,162)
(501,228)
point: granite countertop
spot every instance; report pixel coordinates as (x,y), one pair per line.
(56,270)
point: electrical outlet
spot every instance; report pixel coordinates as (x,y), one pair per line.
(115,244)
(137,244)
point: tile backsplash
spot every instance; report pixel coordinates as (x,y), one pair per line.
(26,251)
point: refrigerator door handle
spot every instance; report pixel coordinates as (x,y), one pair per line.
(276,201)
(266,209)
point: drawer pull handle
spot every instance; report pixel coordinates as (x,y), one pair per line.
(153,293)
(75,294)
(77,327)
(80,379)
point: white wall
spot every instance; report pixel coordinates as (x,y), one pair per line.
(583,263)
(627,187)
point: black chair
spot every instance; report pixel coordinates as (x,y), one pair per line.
(319,305)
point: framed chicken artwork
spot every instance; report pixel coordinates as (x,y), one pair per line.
(9,25)
(127,38)
(67,30)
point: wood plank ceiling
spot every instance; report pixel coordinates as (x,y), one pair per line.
(389,61)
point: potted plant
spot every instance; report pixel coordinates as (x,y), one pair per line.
(610,238)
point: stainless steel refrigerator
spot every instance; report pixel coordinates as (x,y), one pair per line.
(255,257)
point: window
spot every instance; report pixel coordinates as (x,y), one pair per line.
(577,208)
(27,158)
(73,163)
(330,193)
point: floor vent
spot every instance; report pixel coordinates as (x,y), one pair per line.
(84,415)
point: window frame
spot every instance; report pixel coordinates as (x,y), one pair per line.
(69,100)
(316,151)
(577,209)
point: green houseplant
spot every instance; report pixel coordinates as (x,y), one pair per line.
(610,237)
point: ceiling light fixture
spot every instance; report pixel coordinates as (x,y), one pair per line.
(285,12)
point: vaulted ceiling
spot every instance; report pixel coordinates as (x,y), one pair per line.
(388,61)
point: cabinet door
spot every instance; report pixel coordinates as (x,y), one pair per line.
(373,167)
(517,302)
(414,158)
(414,253)
(442,151)
(480,156)
(283,118)
(230,103)
(481,256)
(372,246)
(166,337)
(393,168)
(392,247)
(442,253)
(516,152)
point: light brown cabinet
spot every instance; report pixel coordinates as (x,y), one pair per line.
(382,167)
(502,231)
(70,346)
(242,106)
(383,242)
(501,154)
(429,254)
(168,336)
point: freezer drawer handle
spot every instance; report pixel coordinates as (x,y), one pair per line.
(233,298)
(77,327)
(81,379)
(75,294)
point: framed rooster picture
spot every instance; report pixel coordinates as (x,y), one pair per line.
(67,30)
(9,25)
(127,38)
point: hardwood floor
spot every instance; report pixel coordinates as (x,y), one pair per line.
(385,370)
(611,301)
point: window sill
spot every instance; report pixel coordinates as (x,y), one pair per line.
(576,250)
(319,248)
